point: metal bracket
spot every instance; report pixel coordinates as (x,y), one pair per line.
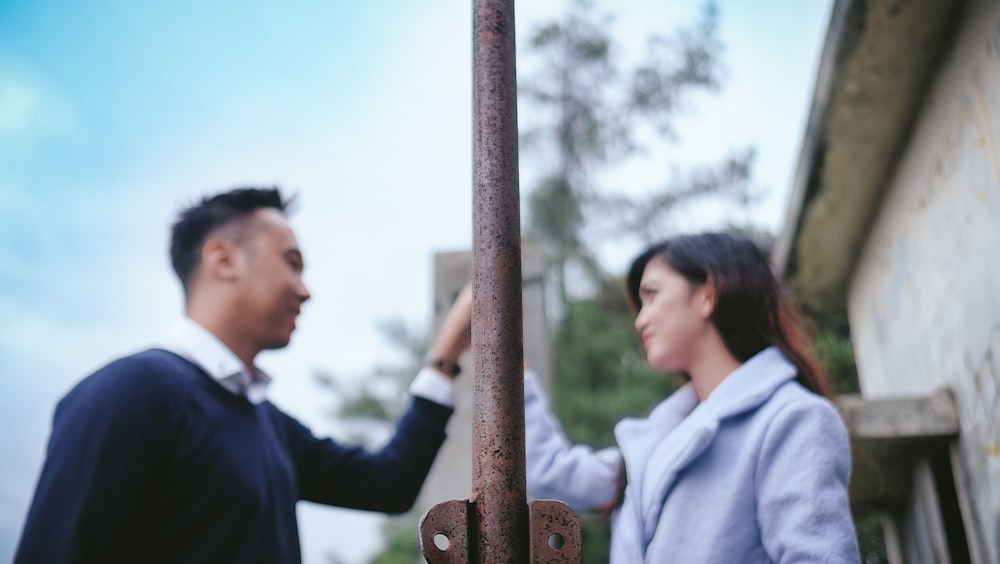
(443,533)
(554,535)
(555,532)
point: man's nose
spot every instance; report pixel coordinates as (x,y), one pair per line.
(303,293)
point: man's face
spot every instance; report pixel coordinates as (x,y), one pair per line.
(268,282)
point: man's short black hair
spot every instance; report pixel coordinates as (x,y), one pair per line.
(195,223)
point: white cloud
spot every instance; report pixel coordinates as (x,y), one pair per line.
(20,103)
(30,105)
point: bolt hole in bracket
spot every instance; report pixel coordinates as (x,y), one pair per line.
(554,533)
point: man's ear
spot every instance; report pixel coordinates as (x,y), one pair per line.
(220,258)
(707,298)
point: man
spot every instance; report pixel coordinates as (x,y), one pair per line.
(174,454)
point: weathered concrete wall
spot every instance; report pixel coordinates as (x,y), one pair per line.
(924,302)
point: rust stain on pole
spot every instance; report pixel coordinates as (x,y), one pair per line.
(499,501)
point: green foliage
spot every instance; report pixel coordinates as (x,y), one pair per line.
(402,548)
(596,537)
(600,372)
(835,351)
(871,539)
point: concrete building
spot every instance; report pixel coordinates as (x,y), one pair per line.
(893,222)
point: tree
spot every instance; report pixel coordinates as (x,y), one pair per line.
(586,117)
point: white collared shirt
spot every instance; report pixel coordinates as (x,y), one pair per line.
(195,343)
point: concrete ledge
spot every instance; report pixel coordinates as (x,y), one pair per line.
(888,437)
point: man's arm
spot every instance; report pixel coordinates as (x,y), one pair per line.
(387,480)
(390,480)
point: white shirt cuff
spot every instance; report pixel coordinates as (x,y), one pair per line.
(433,386)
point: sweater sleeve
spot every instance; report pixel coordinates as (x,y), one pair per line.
(575,474)
(387,480)
(100,463)
(801,482)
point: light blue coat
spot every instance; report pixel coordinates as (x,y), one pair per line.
(756,473)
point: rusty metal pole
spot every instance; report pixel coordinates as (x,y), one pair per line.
(498,485)
(497,524)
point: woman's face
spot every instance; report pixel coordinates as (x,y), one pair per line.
(673,318)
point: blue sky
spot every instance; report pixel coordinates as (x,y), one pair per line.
(115,113)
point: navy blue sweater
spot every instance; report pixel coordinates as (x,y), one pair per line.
(150,460)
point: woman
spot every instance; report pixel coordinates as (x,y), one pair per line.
(749,460)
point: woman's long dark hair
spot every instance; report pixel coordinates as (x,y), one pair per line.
(751,311)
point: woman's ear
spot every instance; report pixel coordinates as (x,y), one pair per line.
(707,298)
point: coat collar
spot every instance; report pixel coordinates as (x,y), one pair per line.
(653,462)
